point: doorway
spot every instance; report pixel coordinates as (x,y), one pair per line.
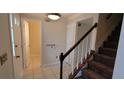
(32,49)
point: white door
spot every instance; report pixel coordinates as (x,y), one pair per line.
(16,45)
(26,46)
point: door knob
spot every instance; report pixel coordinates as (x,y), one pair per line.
(16,45)
(17,56)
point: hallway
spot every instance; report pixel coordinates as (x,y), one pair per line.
(34,71)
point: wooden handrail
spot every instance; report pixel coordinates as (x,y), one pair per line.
(63,56)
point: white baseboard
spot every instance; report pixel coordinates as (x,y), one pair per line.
(56,63)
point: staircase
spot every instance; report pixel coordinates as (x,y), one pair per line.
(102,64)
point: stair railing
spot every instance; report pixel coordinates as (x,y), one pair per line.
(63,56)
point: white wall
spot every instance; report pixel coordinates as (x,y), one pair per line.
(80,17)
(119,63)
(6,71)
(85,26)
(72,22)
(53,33)
(83,16)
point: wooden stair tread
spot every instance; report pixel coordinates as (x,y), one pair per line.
(109,49)
(92,75)
(105,59)
(111,42)
(105,56)
(102,67)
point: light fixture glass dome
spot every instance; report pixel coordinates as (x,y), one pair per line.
(54,16)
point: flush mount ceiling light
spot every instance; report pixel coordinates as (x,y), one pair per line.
(54,16)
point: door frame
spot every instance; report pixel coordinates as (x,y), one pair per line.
(17,66)
(22,32)
(28,19)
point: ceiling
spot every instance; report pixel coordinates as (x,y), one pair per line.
(43,15)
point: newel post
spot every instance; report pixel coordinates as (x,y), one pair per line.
(61,58)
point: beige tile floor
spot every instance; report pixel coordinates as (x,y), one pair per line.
(35,71)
